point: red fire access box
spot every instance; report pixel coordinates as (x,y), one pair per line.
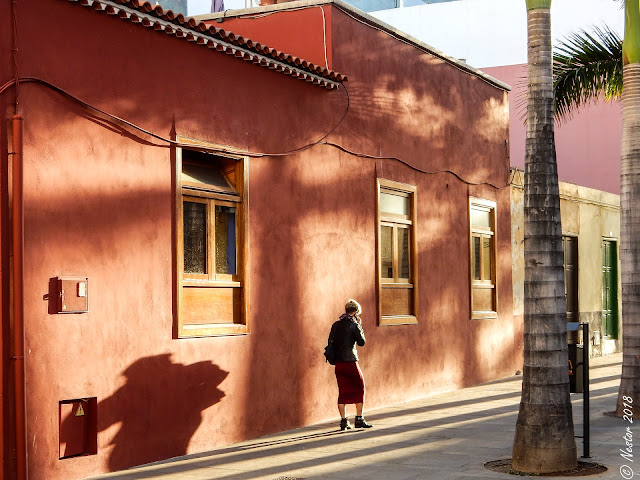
(78,427)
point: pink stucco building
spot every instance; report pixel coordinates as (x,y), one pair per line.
(587,144)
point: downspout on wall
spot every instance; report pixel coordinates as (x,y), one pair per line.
(5,299)
(17,250)
(16,267)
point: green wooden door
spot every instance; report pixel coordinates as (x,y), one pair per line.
(609,289)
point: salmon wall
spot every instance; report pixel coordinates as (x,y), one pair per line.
(305,33)
(6,105)
(443,131)
(99,203)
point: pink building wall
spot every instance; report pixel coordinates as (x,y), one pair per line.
(587,144)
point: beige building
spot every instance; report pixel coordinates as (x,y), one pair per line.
(591,233)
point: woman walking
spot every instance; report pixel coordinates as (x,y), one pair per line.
(345,334)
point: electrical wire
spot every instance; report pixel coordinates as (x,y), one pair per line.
(417,169)
(203,147)
(234,151)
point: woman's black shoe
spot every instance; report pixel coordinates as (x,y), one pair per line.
(345,424)
(362,423)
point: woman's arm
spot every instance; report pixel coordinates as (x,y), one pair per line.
(360,340)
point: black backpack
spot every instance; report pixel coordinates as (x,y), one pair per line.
(330,353)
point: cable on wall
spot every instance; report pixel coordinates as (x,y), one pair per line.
(14,19)
(234,151)
(112,117)
(417,169)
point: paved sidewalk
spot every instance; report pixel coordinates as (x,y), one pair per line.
(448,436)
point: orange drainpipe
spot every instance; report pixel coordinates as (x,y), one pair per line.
(18,300)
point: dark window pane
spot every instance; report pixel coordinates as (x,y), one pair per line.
(486,259)
(205,175)
(386,248)
(571,276)
(475,257)
(403,252)
(195,237)
(225,240)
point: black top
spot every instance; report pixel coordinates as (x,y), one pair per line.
(345,334)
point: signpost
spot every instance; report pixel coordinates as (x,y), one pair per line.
(584,363)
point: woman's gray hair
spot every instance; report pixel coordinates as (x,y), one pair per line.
(352,306)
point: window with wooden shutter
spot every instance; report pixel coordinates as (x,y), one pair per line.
(397,272)
(483,261)
(211,221)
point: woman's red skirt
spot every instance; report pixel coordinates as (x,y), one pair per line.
(350,383)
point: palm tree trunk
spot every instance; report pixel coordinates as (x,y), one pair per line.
(544,439)
(629,392)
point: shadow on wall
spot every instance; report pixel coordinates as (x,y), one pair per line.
(159,408)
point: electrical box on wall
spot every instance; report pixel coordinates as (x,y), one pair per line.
(78,427)
(73,294)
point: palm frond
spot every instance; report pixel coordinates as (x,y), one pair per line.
(586,66)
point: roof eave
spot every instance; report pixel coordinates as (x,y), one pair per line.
(194,31)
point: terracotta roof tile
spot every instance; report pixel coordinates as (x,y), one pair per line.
(194,31)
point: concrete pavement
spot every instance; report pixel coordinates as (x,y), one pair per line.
(447,436)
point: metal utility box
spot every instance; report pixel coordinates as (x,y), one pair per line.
(73,294)
(78,427)
(576,358)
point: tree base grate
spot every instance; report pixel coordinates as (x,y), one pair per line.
(582,470)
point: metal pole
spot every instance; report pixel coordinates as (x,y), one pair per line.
(585,388)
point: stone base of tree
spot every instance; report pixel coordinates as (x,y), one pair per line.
(582,470)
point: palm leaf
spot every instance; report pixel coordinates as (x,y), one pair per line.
(586,66)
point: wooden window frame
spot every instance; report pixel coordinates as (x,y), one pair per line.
(240,280)
(483,232)
(396,222)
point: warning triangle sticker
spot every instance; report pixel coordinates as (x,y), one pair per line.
(80,411)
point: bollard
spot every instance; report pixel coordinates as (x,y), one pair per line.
(585,391)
